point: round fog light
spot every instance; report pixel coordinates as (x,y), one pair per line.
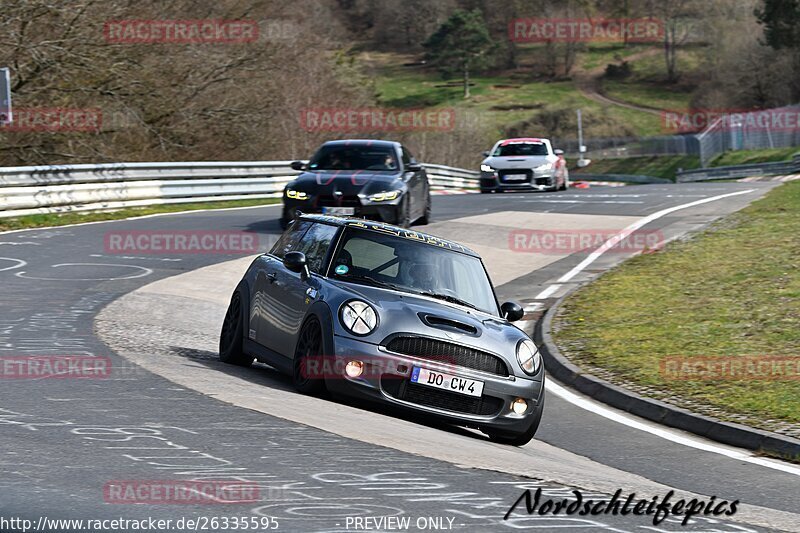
(519,406)
(354,368)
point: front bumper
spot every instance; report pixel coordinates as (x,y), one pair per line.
(538,181)
(386,380)
(387,212)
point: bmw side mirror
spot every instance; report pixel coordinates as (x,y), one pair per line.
(296,262)
(298,165)
(485,153)
(413,167)
(512,311)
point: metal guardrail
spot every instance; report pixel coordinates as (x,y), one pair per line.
(741,171)
(62,188)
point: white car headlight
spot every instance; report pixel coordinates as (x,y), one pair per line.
(486,168)
(384,196)
(528,356)
(542,168)
(358,317)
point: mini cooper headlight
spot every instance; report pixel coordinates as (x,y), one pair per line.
(486,168)
(297,195)
(384,196)
(528,356)
(358,317)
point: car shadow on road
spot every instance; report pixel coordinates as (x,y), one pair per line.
(265,375)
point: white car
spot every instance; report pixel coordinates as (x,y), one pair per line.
(524,164)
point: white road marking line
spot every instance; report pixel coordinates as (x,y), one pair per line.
(531,308)
(19,263)
(664,433)
(145,272)
(547,292)
(610,243)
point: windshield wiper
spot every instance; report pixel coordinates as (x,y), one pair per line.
(448,298)
(370,281)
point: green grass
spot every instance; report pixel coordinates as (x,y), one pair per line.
(656,166)
(62,219)
(647,94)
(732,291)
(499,100)
(742,157)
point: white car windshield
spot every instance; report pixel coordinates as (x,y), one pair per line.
(520,149)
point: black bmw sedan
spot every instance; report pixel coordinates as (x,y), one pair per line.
(378,180)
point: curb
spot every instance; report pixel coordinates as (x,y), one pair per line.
(737,435)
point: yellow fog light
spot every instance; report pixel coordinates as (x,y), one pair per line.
(519,406)
(354,368)
(297,195)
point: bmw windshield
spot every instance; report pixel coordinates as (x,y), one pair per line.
(354,157)
(396,262)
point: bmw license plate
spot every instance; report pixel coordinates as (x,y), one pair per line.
(440,380)
(338,210)
(515,177)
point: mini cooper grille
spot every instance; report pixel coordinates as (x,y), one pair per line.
(448,353)
(404,390)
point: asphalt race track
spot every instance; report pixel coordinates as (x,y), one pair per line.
(169,410)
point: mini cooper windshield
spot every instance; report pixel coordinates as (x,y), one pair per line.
(400,263)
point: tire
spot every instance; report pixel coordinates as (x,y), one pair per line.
(309,344)
(486,191)
(403,219)
(426,218)
(231,338)
(518,439)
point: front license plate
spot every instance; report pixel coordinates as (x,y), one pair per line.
(440,380)
(515,177)
(338,210)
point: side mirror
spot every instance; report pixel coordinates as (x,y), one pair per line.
(512,311)
(298,165)
(296,262)
(413,167)
(558,151)
(485,153)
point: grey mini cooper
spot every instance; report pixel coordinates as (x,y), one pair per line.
(386,314)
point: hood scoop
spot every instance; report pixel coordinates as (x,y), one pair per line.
(448,324)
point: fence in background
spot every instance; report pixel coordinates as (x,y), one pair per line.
(772,128)
(53,189)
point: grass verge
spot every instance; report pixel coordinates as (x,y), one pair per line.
(730,292)
(656,166)
(62,219)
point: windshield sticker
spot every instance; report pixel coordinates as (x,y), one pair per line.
(341,270)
